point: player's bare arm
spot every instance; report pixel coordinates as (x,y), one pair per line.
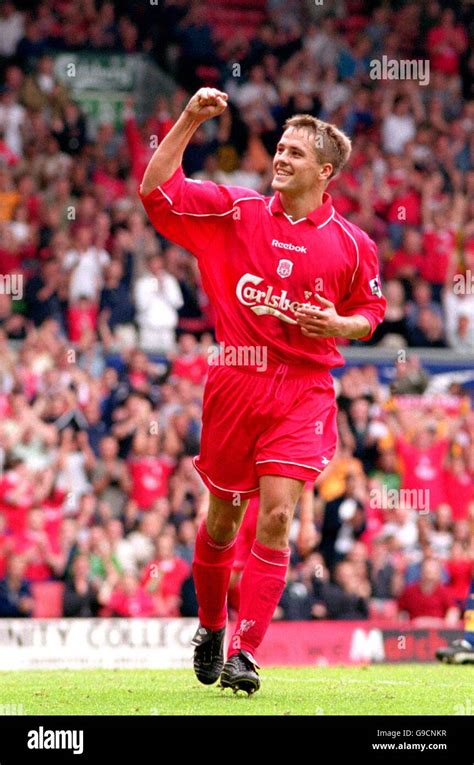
(205,104)
(326,322)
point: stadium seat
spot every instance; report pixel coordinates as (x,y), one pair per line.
(48,599)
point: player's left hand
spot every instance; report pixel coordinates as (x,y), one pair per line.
(323,322)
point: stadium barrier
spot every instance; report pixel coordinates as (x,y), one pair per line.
(166,643)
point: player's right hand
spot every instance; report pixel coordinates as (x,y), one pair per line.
(207,103)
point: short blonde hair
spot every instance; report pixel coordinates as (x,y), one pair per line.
(331,144)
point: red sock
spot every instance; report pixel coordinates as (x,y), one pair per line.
(233,597)
(212,567)
(261,588)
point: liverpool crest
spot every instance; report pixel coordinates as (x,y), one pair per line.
(285,268)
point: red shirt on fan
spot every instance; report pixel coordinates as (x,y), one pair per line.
(115,188)
(259,266)
(193,368)
(405,208)
(15,513)
(344,202)
(37,569)
(445,46)
(418,603)
(460,572)
(150,476)
(459,492)
(437,246)
(138,604)
(400,261)
(165,578)
(423,469)
(81,318)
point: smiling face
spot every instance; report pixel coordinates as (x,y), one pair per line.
(296,169)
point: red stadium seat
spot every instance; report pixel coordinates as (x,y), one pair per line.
(48,599)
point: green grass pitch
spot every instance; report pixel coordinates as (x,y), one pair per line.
(414,689)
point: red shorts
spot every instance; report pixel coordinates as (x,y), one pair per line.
(278,422)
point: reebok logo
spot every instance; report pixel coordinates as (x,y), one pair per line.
(288,246)
(56,739)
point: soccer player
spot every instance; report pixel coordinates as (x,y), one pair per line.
(286,276)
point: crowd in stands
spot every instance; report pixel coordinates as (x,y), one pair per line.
(105,328)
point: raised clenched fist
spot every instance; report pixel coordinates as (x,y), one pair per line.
(207,103)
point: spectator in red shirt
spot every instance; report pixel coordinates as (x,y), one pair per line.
(17,494)
(459,487)
(128,598)
(405,208)
(406,261)
(82,317)
(459,569)
(149,470)
(36,548)
(164,577)
(446,43)
(428,597)
(189,362)
(441,220)
(422,464)
(107,177)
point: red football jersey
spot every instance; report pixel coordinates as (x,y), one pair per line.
(259,266)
